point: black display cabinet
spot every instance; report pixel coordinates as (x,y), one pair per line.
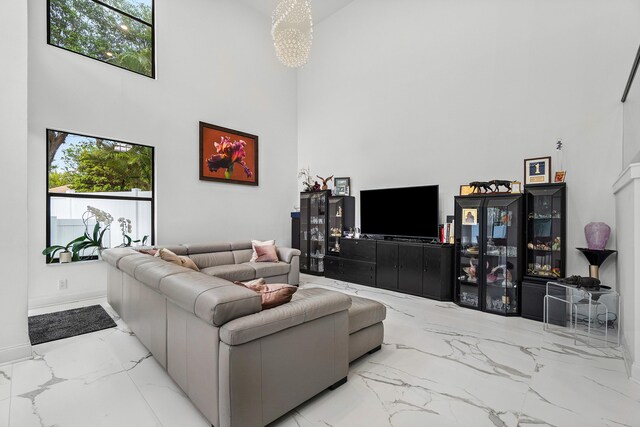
(323,218)
(545,231)
(489,252)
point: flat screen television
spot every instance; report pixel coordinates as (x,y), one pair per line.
(400,212)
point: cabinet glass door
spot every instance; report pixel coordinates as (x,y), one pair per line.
(336,223)
(317,231)
(501,245)
(468,268)
(545,231)
(304,232)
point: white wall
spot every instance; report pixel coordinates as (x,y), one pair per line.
(627,195)
(412,92)
(631,143)
(14,339)
(215,63)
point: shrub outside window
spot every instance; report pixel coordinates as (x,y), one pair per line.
(118,32)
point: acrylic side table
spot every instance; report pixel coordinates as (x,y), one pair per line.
(591,316)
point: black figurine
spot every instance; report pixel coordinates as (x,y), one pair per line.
(584,282)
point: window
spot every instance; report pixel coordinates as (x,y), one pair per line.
(118,32)
(98,184)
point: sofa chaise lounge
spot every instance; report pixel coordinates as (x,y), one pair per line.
(240,365)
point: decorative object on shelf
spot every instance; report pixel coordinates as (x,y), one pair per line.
(584,282)
(560,176)
(595,258)
(560,173)
(469,216)
(465,190)
(316,186)
(479,186)
(537,171)
(292,32)
(306,180)
(341,186)
(228,155)
(497,183)
(324,181)
(516,187)
(597,235)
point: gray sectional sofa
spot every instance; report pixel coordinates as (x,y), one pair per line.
(240,365)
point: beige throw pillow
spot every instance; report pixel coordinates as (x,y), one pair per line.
(183,261)
(255,243)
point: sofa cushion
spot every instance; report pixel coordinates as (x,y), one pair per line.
(231,272)
(152,273)
(212,299)
(242,255)
(266,253)
(212,259)
(184,261)
(129,263)
(306,305)
(255,243)
(114,255)
(268,269)
(203,248)
(237,246)
(364,313)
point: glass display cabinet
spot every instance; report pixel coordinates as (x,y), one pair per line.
(488,230)
(322,220)
(545,207)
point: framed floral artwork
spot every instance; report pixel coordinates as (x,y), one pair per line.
(228,155)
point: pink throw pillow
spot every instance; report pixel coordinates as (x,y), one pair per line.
(272,294)
(266,253)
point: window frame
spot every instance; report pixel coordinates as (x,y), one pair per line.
(49,195)
(152,25)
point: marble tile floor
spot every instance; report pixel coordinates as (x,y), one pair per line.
(440,365)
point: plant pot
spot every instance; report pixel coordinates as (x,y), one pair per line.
(65,257)
(597,234)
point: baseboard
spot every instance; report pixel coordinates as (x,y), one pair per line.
(633,367)
(15,353)
(64,298)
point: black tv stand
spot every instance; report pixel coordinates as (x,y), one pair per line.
(410,239)
(412,266)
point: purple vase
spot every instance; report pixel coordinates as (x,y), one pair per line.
(597,234)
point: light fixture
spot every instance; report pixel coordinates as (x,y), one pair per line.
(292,31)
(124,27)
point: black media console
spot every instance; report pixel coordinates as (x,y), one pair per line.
(411,267)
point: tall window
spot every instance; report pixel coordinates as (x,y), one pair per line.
(118,32)
(98,184)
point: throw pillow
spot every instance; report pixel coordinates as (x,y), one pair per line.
(272,294)
(183,261)
(255,243)
(266,253)
(151,252)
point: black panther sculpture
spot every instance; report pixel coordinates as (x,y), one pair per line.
(584,282)
(497,183)
(478,186)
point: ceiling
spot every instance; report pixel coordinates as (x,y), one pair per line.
(320,9)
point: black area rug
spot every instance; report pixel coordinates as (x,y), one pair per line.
(69,323)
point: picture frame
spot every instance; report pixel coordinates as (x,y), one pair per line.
(342,186)
(560,176)
(469,216)
(217,145)
(537,170)
(466,190)
(516,187)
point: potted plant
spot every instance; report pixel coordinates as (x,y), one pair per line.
(66,255)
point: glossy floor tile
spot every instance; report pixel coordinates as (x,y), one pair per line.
(440,365)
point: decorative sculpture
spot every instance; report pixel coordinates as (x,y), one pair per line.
(497,183)
(324,181)
(478,186)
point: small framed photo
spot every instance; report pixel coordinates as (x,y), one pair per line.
(342,186)
(469,216)
(516,187)
(537,171)
(465,190)
(560,176)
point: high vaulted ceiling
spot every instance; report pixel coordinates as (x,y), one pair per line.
(320,9)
